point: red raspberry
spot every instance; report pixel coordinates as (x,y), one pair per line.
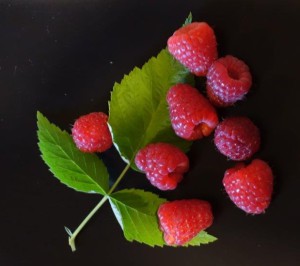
(194,46)
(250,187)
(164,164)
(91,134)
(237,138)
(182,220)
(228,80)
(192,116)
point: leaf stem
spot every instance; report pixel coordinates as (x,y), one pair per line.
(84,222)
(97,207)
(119,179)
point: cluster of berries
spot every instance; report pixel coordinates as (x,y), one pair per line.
(193,116)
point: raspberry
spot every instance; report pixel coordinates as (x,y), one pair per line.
(237,138)
(194,46)
(91,134)
(250,187)
(228,80)
(182,220)
(192,116)
(164,164)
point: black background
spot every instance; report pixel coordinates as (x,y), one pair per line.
(63,57)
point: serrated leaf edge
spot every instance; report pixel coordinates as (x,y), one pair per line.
(40,115)
(115,144)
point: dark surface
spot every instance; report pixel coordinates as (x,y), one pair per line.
(63,57)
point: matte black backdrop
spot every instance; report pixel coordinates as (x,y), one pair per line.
(63,57)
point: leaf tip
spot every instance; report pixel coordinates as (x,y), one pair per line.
(40,117)
(38,114)
(189,19)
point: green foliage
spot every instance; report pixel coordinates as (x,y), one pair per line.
(138,115)
(188,20)
(81,171)
(136,211)
(138,112)
(201,238)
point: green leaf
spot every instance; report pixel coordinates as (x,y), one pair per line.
(188,20)
(81,171)
(201,238)
(138,112)
(136,211)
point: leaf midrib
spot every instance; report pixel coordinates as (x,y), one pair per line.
(68,156)
(128,207)
(149,124)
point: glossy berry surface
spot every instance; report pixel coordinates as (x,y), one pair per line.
(182,220)
(91,133)
(250,187)
(191,114)
(194,46)
(228,81)
(163,164)
(237,138)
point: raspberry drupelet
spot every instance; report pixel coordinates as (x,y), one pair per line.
(163,164)
(91,133)
(237,138)
(250,187)
(194,46)
(228,81)
(191,114)
(182,220)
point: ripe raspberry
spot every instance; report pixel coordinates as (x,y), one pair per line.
(91,134)
(192,116)
(237,138)
(228,80)
(250,187)
(164,164)
(194,46)
(182,220)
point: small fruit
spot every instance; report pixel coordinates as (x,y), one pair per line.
(228,81)
(91,133)
(192,116)
(194,46)
(237,138)
(182,220)
(163,163)
(250,187)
